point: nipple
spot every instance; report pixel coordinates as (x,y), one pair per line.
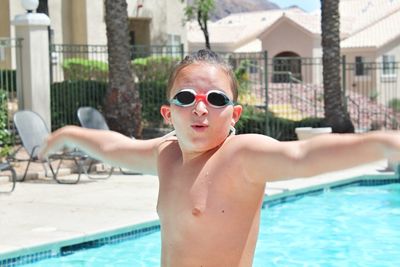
(200,196)
(196,212)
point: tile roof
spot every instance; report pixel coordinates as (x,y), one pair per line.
(364,23)
(377,35)
(236,28)
(243,27)
(360,14)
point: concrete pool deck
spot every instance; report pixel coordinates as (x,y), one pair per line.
(42,212)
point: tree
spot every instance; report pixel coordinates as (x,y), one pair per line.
(335,113)
(200,10)
(122,105)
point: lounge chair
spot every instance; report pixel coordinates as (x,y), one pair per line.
(6,166)
(90,117)
(33,133)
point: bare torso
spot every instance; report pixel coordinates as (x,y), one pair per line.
(209,213)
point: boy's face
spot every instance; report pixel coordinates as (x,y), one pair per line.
(201,126)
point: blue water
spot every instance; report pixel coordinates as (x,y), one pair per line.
(354,226)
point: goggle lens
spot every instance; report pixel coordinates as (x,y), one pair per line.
(218,99)
(188,97)
(185,97)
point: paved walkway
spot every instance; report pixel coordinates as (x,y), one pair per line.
(40,211)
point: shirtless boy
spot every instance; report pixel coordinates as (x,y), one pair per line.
(212,182)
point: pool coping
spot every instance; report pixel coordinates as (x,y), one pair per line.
(58,248)
(287,195)
(283,195)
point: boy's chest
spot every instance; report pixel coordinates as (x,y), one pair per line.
(195,190)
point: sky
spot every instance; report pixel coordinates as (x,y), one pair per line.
(307,5)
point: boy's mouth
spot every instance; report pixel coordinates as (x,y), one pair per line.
(199,126)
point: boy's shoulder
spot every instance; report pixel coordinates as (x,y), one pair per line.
(243,141)
(240,145)
(167,143)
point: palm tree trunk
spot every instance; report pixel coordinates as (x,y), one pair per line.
(122,105)
(335,113)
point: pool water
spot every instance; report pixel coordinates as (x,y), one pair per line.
(353,226)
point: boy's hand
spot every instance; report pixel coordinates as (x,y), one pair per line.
(53,143)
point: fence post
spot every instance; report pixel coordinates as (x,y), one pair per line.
(266,81)
(344,83)
(182,51)
(34,93)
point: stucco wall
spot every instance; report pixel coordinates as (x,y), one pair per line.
(374,84)
(175,17)
(287,37)
(155,10)
(389,84)
(4,18)
(82,21)
(95,21)
(363,84)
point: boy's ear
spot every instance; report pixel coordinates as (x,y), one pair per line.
(165,111)
(237,111)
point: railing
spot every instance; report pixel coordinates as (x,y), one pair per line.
(10,85)
(80,78)
(259,82)
(358,109)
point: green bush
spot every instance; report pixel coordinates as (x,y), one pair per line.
(77,69)
(154,68)
(242,76)
(152,95)
(255,120)
(68,96)
(5,135)
(312,122)
(394,104)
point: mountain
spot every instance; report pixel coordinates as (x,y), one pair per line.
(226,7)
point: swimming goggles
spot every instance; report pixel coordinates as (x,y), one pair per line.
(188,97)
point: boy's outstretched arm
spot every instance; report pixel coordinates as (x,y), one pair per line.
(267,159)
(110,147)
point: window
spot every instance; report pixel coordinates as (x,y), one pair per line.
(174,41)
(388,64)
(360,66)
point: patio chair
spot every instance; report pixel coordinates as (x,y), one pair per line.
(6,166)
(90,117)
(33,133)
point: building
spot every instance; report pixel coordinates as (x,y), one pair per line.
(151,22)
(370,40)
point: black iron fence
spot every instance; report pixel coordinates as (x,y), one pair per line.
(10,80)
(278,94)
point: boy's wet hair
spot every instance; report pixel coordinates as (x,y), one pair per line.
(204,56)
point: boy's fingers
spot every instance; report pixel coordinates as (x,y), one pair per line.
(42,155)
(44,150)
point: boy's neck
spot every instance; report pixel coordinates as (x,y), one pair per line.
(190,155)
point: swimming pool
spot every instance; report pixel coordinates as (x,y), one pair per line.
(353,226)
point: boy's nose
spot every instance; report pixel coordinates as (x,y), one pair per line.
(200,108)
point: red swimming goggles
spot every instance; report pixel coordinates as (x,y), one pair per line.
(188,97)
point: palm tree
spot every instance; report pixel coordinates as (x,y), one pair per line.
(200,10)
(122,105)
(335,113)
